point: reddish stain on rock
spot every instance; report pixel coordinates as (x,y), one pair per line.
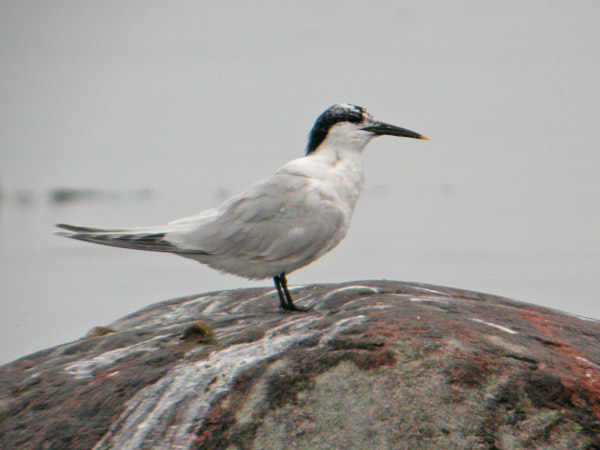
(583,376)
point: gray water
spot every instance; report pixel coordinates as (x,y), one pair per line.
(194,101)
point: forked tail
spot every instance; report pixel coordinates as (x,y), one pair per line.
(150,239)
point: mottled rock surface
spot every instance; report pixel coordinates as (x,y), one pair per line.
(374,365)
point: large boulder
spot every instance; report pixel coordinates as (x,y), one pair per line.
(373,365)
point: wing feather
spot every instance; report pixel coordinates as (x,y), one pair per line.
(279,218)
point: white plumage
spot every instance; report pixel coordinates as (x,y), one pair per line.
(281,223)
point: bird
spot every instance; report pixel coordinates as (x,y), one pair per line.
(279,224)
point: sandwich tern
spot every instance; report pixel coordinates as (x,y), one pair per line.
(279,224)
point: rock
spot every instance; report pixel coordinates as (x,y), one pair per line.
(374,365)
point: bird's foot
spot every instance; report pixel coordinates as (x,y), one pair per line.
(294,308)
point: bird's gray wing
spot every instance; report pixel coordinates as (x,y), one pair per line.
(283,217)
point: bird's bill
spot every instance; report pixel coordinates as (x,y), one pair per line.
(392,130)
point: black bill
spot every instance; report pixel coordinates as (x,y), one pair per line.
(392,130)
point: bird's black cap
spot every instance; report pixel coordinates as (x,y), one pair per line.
(335,114)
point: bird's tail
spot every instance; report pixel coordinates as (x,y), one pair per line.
(150,239)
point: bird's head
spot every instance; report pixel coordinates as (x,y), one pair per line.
(350,127)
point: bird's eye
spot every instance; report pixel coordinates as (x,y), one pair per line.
(354,118)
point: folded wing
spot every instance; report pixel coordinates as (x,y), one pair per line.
(283,217)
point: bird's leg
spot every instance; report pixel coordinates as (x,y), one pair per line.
(290,304)
(282,302)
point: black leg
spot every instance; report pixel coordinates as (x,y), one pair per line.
(282,302)
(289,303)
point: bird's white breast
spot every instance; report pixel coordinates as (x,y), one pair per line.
(339,180)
